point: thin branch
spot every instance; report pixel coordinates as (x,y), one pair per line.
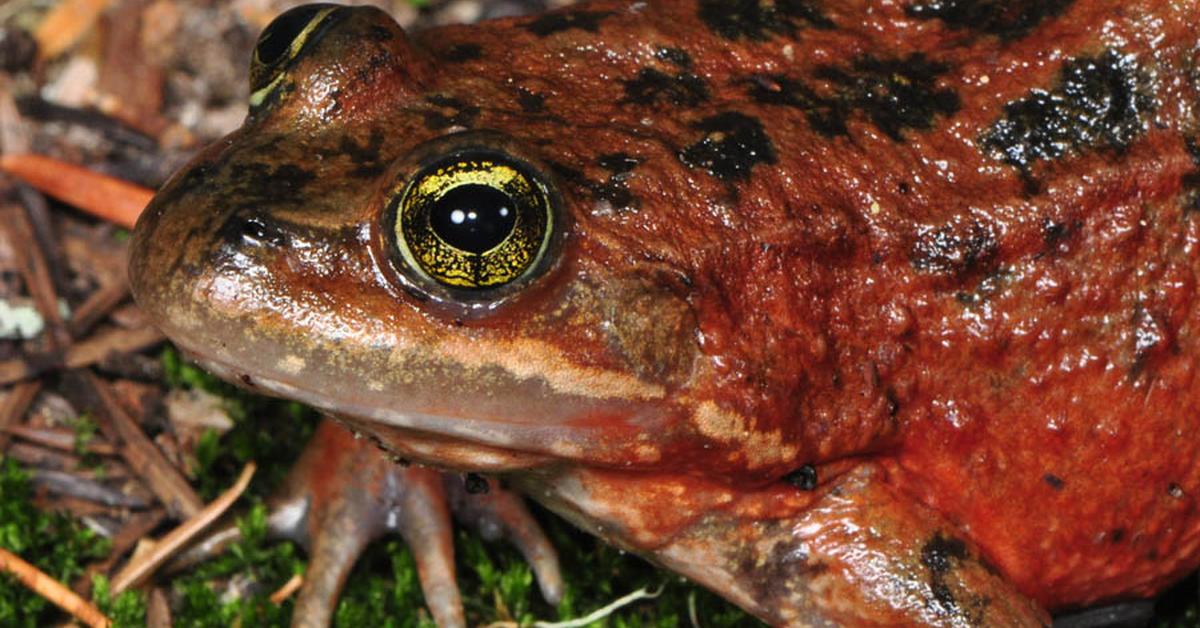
(138,570)
(601,613)
(52,590)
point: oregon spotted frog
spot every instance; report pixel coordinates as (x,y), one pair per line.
(854,312)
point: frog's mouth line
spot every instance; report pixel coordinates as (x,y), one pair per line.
(451,441)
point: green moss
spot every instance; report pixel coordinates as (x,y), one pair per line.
(85,430)
(384,590)
(54,542)
(258,565)
(127,610)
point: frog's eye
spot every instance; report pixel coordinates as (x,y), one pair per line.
(281,42)
(474,221)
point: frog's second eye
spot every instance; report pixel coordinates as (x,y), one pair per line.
(477,220)
(281,42)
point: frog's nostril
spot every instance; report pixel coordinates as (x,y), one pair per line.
(252,230)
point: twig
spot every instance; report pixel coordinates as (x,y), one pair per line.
(16,402)
(158,611)
(287,589)
(60,439)
(40,457)
(111,199)
(52,590)
(38,211)
(36,274)
(136,527)
(601,613)
(83,353)
(97,306)
(68,485)
(160,476)
(138,570)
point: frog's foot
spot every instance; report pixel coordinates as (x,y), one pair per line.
(854,552)
(344,493)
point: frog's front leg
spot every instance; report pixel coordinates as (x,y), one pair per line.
(344,493)
(852,553)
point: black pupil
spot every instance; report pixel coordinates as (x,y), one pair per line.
(276,40)
(473,218)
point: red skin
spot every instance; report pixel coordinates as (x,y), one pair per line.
(964,348)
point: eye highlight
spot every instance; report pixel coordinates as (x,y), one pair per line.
(477,220)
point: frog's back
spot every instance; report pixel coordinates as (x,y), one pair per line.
(959,235)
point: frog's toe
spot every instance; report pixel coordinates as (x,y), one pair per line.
(344,493)
(424,522)
(496,512)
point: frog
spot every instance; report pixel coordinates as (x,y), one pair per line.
(856,313)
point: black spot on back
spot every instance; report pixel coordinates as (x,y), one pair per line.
(1007,18)
(760,19)
(1151,337)
(618,163)
(954,248)
(1053,481)
(895,95)
(614,191)
(531,102)
(1101,102)
(459,53)
(732,144)
(1191,180)
(475,484)
(551,23)
(675,56)
(652,86)
(826,115)
(1052,231)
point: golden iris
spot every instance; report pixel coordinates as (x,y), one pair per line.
(475,220)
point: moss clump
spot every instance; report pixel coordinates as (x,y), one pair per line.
(54,542)
(127,610)
(253,566)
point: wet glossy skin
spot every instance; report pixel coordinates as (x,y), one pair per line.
(858,312)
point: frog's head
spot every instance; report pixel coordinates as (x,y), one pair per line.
(355,246)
